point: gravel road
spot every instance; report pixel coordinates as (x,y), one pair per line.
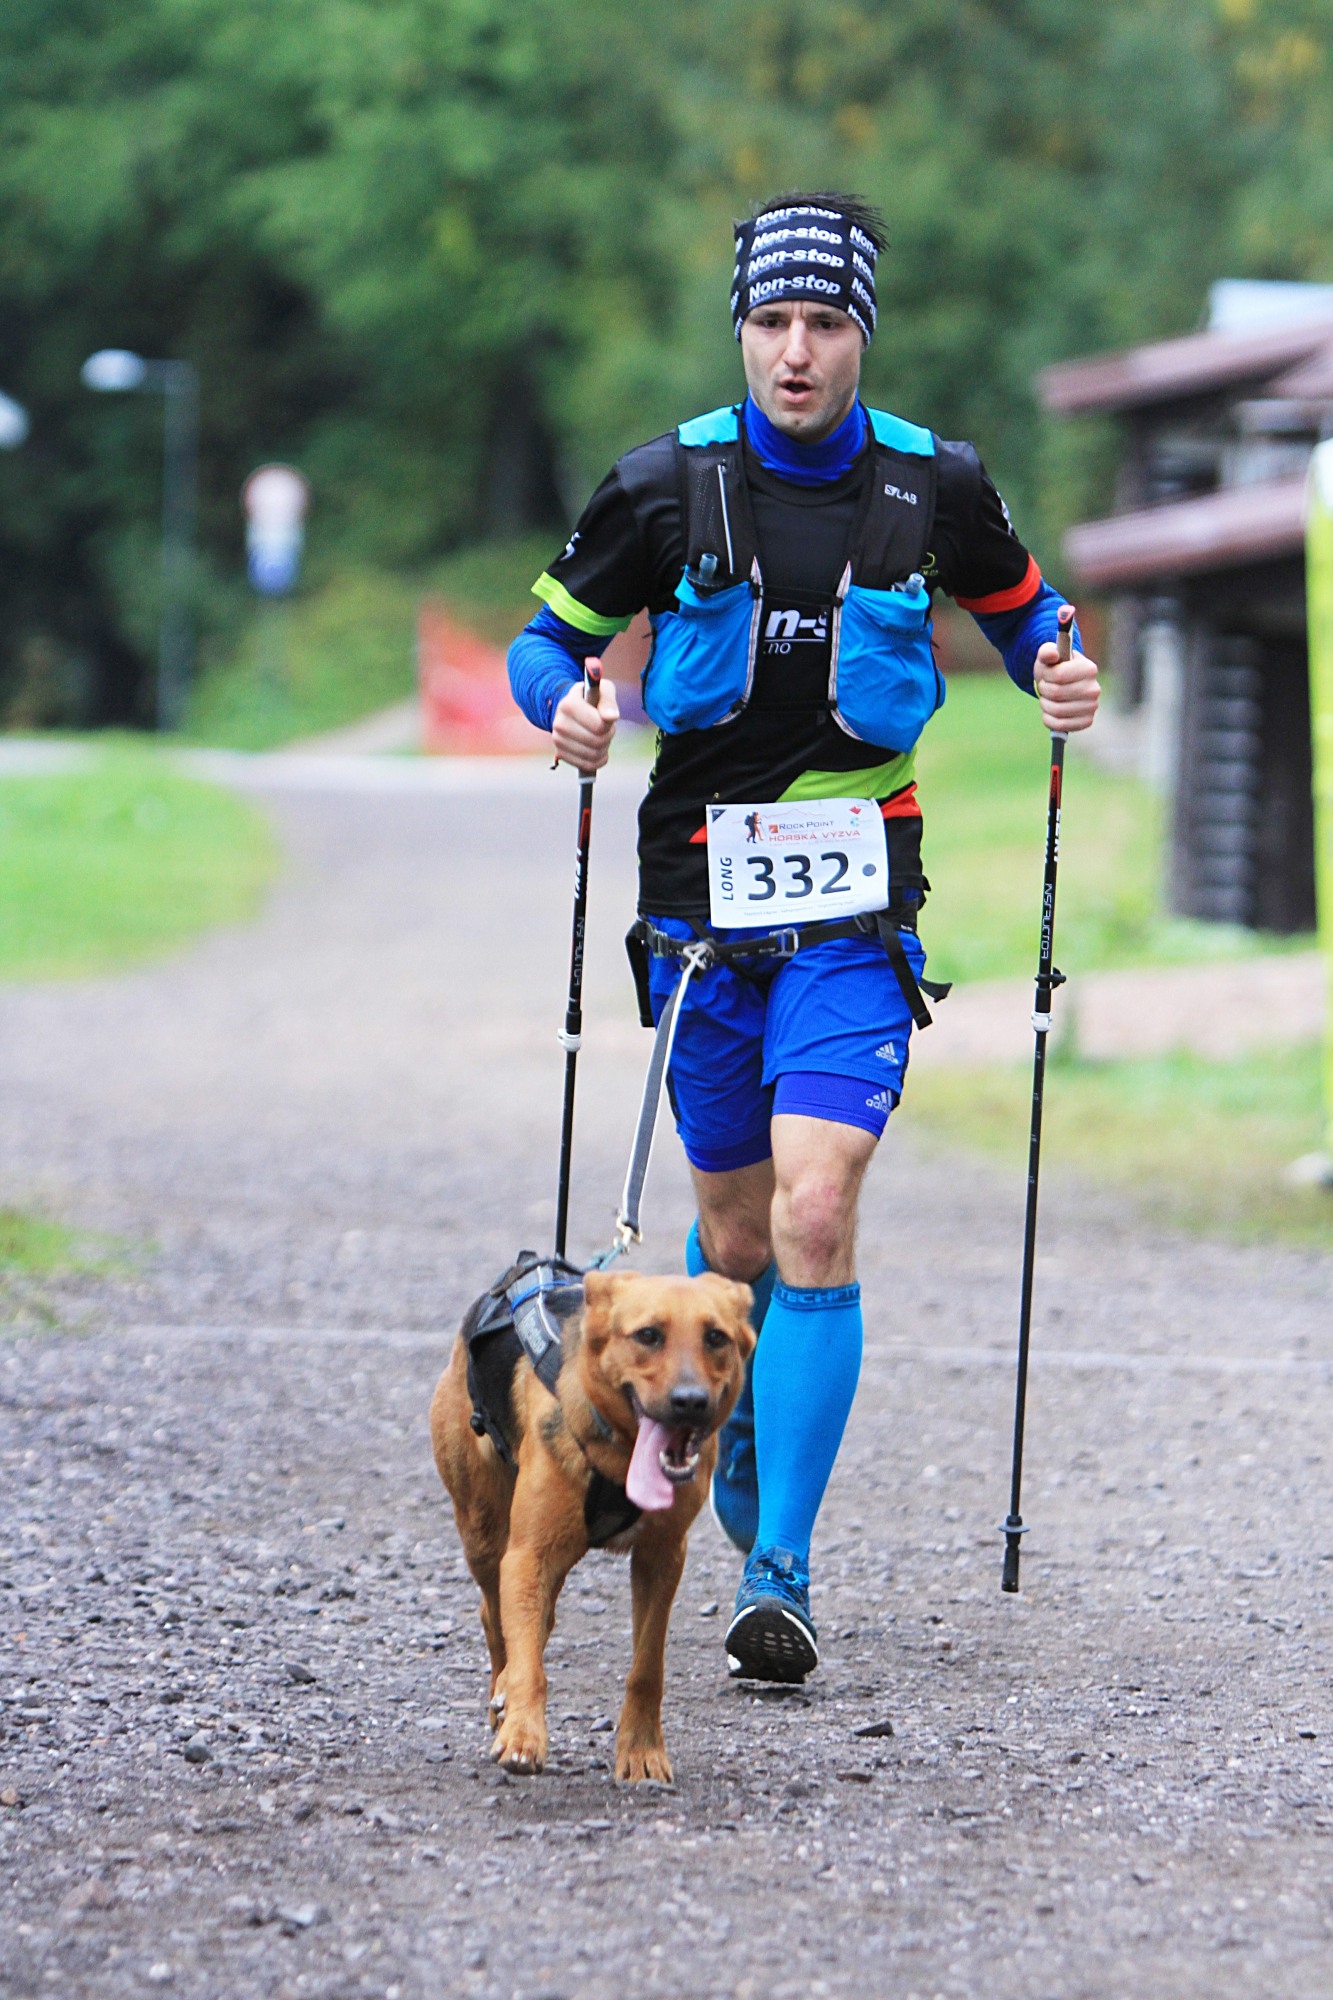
(242,1736)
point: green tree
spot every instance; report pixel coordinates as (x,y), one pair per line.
(452,255)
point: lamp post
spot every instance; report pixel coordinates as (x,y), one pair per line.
(14,425)
(114,370)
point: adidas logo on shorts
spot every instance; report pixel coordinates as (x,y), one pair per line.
(881,1101)
(887,1052)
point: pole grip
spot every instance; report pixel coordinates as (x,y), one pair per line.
(1064,642)
(592,694)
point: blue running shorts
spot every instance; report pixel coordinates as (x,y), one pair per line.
(823,1035)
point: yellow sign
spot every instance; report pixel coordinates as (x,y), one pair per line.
(1319,603)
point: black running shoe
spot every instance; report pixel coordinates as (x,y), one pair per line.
(771,1636)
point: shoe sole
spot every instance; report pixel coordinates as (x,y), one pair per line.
(769,1643)
(744,1547)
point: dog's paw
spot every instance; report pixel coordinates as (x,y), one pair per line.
(637,1761)
(496,1706)
(520,1746)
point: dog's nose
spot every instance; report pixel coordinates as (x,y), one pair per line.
(688,1400)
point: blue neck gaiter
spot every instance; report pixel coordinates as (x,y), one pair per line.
(804,464)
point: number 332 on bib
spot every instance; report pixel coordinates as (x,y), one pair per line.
(806,862)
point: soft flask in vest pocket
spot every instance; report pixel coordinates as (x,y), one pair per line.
(701,667)
(884,685)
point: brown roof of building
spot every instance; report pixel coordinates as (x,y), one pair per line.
(1170,370)
(1311,380)
(1224,530)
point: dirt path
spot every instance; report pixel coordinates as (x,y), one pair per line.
(243,1749)
(1219,1010)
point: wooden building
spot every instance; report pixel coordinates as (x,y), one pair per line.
(1203,566)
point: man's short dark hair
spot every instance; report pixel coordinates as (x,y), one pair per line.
(866,217)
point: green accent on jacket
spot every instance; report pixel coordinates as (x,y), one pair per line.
(879,782)
(578,615)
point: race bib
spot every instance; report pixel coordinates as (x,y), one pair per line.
(806,862)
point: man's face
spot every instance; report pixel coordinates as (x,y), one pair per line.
(803,365)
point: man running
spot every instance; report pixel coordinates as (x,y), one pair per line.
(787,551)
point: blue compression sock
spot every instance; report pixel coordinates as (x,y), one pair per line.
(762,1287)
(804,1380)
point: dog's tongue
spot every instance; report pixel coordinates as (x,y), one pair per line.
(645,1483)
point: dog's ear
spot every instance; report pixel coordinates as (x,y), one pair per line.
(741,1299)
(600,1290)
(600,1287)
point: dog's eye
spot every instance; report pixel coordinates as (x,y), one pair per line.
(649,1336)
(715,1338)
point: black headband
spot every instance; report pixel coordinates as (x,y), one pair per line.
(804,253)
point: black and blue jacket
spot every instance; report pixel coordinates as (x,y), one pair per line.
(789,597)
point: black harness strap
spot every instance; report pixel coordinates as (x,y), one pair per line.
(522,1313)
(608,1511)
(912,987)
(645,938)
(541,1294)
(636,950)
(493,1353)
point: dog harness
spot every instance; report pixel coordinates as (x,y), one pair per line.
(524,1313)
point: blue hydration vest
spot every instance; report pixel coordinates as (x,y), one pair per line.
(883,682)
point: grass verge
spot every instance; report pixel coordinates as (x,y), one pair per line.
(982,769)
(33,1247)
(108,867)
(1196,1144)
(37,1254)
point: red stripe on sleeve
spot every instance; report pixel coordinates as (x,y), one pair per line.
(903,805)
(1006,600)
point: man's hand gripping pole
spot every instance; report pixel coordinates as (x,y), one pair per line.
(1047,981)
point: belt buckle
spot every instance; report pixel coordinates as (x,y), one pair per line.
(786,943)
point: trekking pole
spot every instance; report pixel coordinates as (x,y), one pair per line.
(1047,981)
(571,1035)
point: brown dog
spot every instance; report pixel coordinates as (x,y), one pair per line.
(652,1369)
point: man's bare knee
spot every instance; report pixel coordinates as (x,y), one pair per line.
(735,1247)
(735,1219)
(815,1217)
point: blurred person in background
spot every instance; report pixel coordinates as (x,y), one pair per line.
(787,550)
